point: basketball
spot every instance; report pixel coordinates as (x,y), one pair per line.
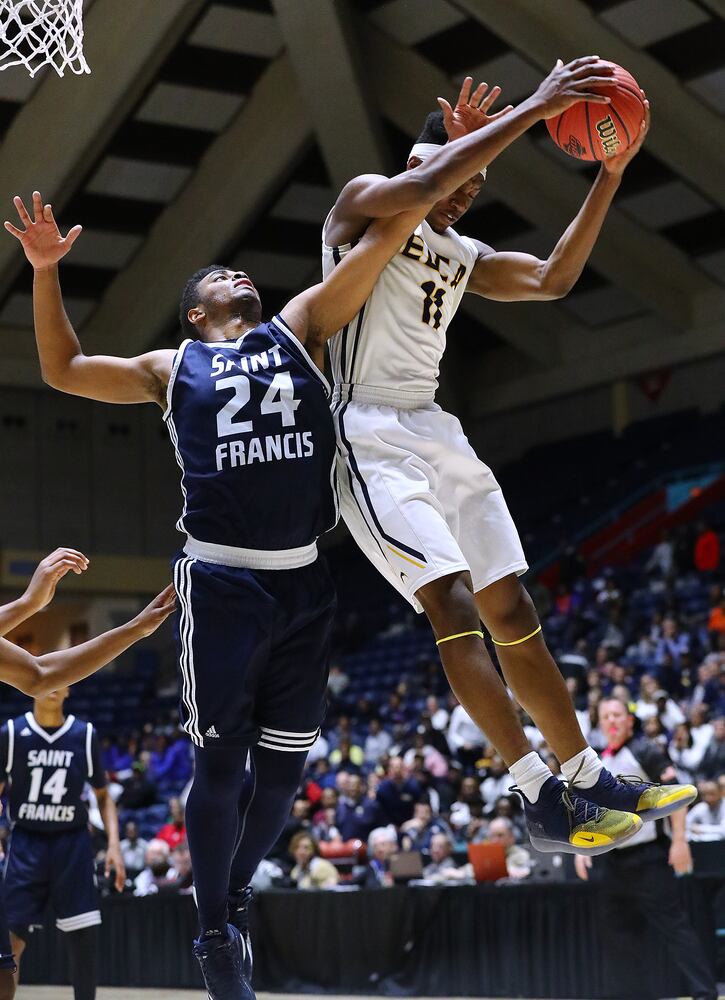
(590,131)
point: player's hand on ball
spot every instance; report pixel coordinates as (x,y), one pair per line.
(148,620)
(114,859)
(616,165)
(471,110)
(567,84)
(50,571)
(41,239)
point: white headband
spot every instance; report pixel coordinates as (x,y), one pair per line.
(425,149)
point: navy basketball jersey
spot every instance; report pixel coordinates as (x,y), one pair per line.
(46,772)
(250,422)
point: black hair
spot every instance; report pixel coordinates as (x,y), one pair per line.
(434,130)
(190,297)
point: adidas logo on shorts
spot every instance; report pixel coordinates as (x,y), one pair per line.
(211,733)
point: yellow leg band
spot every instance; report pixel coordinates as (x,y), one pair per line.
(517,642)
(460,635)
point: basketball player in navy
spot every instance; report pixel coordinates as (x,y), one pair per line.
(247,409)
(45,783)
(422,506)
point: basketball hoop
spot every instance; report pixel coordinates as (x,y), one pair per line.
(37,33)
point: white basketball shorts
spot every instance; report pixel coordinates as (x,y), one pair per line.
(418,500)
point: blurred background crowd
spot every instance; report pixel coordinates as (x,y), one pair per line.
(400,766)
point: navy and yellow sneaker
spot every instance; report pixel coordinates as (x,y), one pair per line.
(631,794)
(239,916)
(222,965)
(561,820)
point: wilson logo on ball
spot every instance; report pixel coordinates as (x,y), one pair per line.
(608,134)
(574,147)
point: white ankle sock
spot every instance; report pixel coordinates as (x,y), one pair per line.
(588,766)
(530,773)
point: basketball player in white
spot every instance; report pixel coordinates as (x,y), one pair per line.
(420,504)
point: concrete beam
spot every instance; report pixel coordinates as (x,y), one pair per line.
(66,124)
(230,187)
(335,86)
(601,368)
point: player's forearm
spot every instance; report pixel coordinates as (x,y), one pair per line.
(15,613)
(109,815)
(68,666)
(319,312)
(678,824)
(56,339)
(566,263)
(459,160)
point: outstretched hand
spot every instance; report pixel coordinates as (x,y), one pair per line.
(50,571)
(616,165)
(471,110)
(155,613)
(41,239)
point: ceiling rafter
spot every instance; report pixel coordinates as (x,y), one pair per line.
(223,197)
(52,150)
(335,86)
(680,120)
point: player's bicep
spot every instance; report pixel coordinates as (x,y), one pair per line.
(110,379)
(375,196)
(508,276)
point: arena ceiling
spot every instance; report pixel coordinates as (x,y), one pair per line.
(220,130)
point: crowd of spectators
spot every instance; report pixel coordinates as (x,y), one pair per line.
(409,771)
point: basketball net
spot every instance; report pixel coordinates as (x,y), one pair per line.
(37,33)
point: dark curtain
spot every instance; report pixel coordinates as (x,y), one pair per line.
(526,941)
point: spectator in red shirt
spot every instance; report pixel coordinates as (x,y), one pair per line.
(707,550)
(174,832)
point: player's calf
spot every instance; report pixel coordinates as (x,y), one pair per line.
(450,605)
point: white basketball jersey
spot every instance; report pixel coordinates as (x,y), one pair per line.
(396,341)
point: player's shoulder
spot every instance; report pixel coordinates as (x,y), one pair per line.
(17,724)
(80,726)
(361,183)
(481,249)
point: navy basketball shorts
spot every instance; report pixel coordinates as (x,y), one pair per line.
(253,650)
(6,956)
(50,868)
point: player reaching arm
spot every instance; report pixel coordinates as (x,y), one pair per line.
(316,314)
(41,589)
(371,196)
(514,276)
(37,675)
(63,364)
